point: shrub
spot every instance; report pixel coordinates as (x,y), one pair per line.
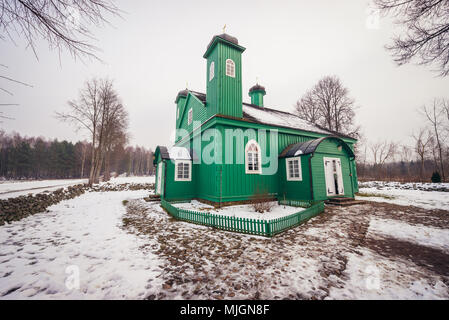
(436,177)
(261,201)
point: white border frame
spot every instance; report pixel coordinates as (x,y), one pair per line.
(339,171)
(259,158)
(211,70)
(299,167)
(177,162)
(226,68)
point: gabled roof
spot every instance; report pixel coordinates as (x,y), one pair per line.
(278,118)
(175,153)
(307,147)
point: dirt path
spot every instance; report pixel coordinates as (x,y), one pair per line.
(324,258)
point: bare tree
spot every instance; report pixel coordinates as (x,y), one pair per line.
(381,152)
(63,24)
(434,115)
(426,36)
(422,141)
(328,105)
(99,111)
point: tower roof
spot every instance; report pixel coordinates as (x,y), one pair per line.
(182,93)
(257,87)
(226,38)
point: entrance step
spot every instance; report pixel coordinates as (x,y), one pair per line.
(343,201)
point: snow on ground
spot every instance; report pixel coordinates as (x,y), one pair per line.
(132,179)
(332,256)
(419,198)
(16,188)
(425,186)
(12,189)
(426,236)
(241,211)
(371,276)
(370,251)
(41,252)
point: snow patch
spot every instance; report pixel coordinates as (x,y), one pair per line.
(40,253)
(422,235)
(241,211)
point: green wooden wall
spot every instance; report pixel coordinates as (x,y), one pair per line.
(295,190)
(224,93)
(329,148)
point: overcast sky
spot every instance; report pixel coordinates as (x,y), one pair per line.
(158,45)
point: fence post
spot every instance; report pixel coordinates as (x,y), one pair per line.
(268,228)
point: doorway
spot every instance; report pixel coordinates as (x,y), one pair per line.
(334,177)
(159,178)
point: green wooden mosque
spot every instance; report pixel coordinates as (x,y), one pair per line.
(227,150)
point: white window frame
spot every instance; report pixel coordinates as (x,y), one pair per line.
(231,71)
(211,70)
(183,178)
(288,161)
(190,116)
(247,170)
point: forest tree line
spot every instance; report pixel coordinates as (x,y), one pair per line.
(39,158)
(426,157)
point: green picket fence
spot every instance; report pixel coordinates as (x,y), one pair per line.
(266,228)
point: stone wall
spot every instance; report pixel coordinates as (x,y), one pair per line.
(14,209)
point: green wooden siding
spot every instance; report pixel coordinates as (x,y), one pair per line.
(224,93)
(295,190)
(222,110)
(221,182)
(329,148)
(177,190)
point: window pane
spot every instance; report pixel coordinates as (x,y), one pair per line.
(186,171)
(296,168)
(179,173)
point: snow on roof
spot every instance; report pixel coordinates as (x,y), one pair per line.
(179,153)
(275,117)
(279,118)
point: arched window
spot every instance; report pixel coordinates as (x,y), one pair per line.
(252,155)
(230,68)
(211,70)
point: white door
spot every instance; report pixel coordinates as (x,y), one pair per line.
(329,176)
(159,178)
(341,190)
(333,176)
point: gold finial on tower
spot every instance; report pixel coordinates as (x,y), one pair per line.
(224,28)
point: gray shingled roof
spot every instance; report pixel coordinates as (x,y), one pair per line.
(307,147)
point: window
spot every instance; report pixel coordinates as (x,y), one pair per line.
(293,166)
(211,70)
(190,116)
(177,115)
(183,170)
(230,68)
(252,152)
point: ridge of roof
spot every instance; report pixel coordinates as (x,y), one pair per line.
(331,132)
